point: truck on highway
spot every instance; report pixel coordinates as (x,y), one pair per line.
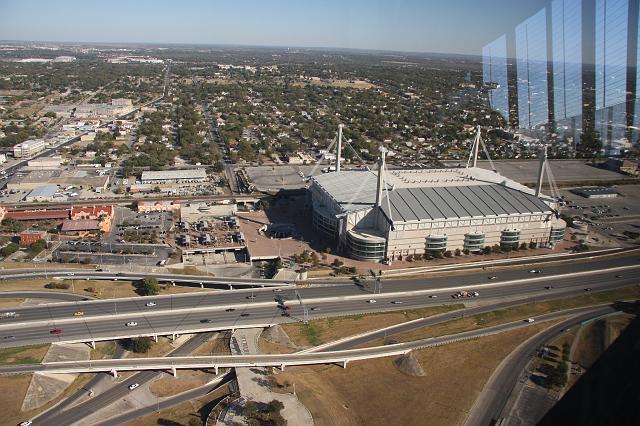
(9,315)
(463,294)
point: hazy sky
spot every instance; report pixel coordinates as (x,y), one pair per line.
(451,26)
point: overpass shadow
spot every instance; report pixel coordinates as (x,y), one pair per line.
(609,392)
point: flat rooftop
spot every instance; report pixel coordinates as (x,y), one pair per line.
(356,189)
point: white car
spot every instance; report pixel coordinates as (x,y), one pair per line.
(371,301)
(131,324)
(530,320)
(150,304)
(433,296)
(26,423)
(133,386)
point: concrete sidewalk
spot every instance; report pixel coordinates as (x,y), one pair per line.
(254,383)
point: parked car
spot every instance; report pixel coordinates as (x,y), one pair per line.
(133,386)
(131,324)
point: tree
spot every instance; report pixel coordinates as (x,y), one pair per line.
(37,247)
(148,287)
(275,406)
(50,114)
(12,225)
(448,253)
(140,344)
(533,245)
(9,249)
(458,252)
(195,422)
(278,264)
(523,246)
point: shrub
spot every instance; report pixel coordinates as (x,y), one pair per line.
(59,286)
(466,251)
(458,252)
(533,245)
(448,253)
(523,246)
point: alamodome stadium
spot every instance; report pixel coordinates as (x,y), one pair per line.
(386,215)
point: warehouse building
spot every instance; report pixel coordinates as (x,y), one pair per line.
(44,193)
(173,176)
(393,214)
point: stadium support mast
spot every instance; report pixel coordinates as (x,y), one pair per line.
(380,177)
(339,148)
(543,161)
(476,148)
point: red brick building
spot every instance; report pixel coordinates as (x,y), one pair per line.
(29,237)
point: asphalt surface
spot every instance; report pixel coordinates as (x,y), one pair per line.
(298,358)
(209,311)
(489,407)
(170,402)
(63,415)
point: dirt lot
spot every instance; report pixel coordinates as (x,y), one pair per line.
(23,355)
(187,379)
(13,389)
(217,346)
(10,303)
(328,329)
(101,289)
(375,392)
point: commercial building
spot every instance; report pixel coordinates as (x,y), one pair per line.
(48,163)
(29,148)
(173,176)
(595,192)
(388,216)
(194,211)
(158,206)
(30,236)
(44,193)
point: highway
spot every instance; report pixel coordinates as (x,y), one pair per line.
(105,319)
(65,414)
(282,360)
(199,312)
(168,402)
(489,405)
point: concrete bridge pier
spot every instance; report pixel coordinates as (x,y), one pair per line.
(230,287)
(155,338)
(344,363)
(174,372)
(114,373)
(215,368)
(93,344)
(282,367)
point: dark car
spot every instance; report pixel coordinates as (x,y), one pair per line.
(205,321)
(56,331)
(244,315)
(587,289)
(548,287)
(229,310)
